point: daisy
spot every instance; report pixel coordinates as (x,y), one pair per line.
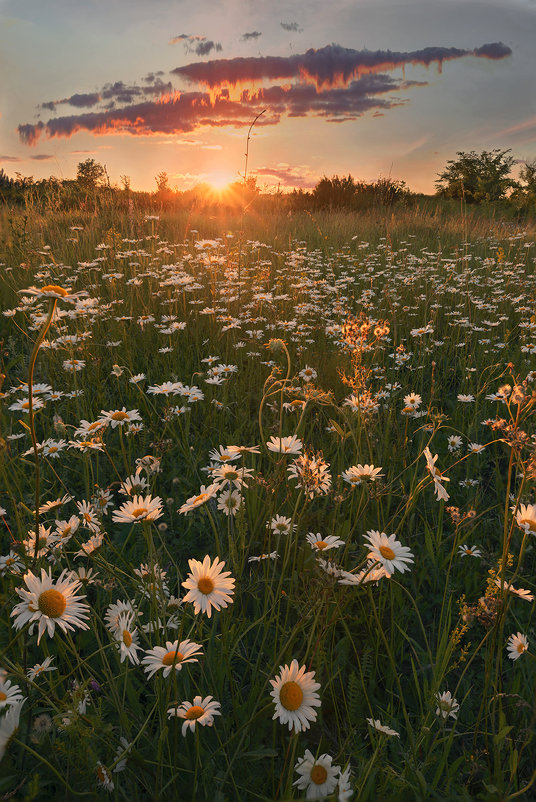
(49,604)
(517,644)
(281,525)
(372,572)
(294,693)
(91,545)
(526,518)
(360,474)
(134,484)
(436,475)
(229,502)
(10,563)
(115,611)
(202,497)
(9,724)
(229,474)
(454,442)
(127,638)
(345,789)
(388,551)
(412,401)
(139,509)
(66,529)
(104,779)
(317,775)
(174,655)
(55,291)
(317,542)
(41,668)
(469,551)
(285,445)
(521,592)
(119,417)
(88,515)
(272,556)
(447,705)
(465,399)
(208,586)
(9,694)
(379,727)
(222,454)
(201,711)
(307,374)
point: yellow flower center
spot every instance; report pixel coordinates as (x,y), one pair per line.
(281,527)
(200,498)
(172,657)
(87,517)
(52,449)
(26,405)
(127,638)
(291,695)
(95,425)
(321,544)
(55,288)
(3,696)
(224,458)
(520,647)
(194,712)
(530,523)
(138,511)
(52,603)
(319,774)
(205,585)
(386,552)
(119,415)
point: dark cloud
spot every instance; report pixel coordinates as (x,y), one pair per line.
(288,176)
(151,76)
(10,159)
(116,92)
(328,66)
(42,157)
(291,26)
(204,48)
(251,35)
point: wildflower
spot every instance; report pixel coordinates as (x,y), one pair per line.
(345,790)
(376,724)
(517,644)
(201,711)
(229,474)
(388,551)
(54,291)
(307,374)
(469,551)
(122,751)
(295,695)
(372,572)
(272,556)
(447,705)
(520,592)
(202,497)
(118,417)
(285,445)
(10,563)
(127,638)
(281,525)
(104,779)
(49,604)
(229,502)
(9,724)
(208,586)
(412,401)
(174,655)
(361,474)
(41,668)
(526,518)
(88,515)
(115,611)
(312,474)
(91,545)
(475,448)
(454,442)
(316,775)
(438,478)
(139,509)
(465,399)
(222,454)
(9,694)
(134,484)
(319,543)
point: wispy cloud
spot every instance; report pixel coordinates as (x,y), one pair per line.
(291,26)
(251,35)
(193,43)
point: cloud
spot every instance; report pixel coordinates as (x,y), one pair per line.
(42,157)
(193,43)
(118,92)
(301,177)
(291,26)
(10,159)
(328,66)
(335,83)
(251,35)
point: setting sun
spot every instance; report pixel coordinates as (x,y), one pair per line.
(220,180)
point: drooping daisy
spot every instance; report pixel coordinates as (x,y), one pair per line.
(205,493)
(208,585)
(285,445)
(357,475)
(126,636)
(389,551)
(295,695)
(9,694)
(517,644)
(316,775)
(139,508)
(174,655)
(447,705)
(520,592)
(344,790)
(372,572)
(49,604)
(436,475)
(320,543)
(201,711)
(376,724)
(104,778)
(41,668)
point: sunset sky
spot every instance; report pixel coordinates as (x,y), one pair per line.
(375,87)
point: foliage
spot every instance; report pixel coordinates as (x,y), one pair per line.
(476,177)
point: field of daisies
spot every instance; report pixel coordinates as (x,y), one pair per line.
(267,514)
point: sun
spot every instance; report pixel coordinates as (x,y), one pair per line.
(220,180)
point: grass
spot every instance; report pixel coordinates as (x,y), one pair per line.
(415,324)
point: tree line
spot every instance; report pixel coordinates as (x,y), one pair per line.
(472,178)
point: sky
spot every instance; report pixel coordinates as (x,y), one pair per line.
(371,88)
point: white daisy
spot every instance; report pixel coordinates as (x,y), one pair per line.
(447,705)
(139,508)
(295,695)
(517,644)
(319,543)
(317,775)
(377,725)
(285,445)
(201,711)
(205,493)
(389,551)
(174,655)
(9,694)
(208,585)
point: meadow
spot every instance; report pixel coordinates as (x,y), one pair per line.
(267,506)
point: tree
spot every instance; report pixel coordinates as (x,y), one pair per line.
(89,173)
(477,177)
(162,182)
